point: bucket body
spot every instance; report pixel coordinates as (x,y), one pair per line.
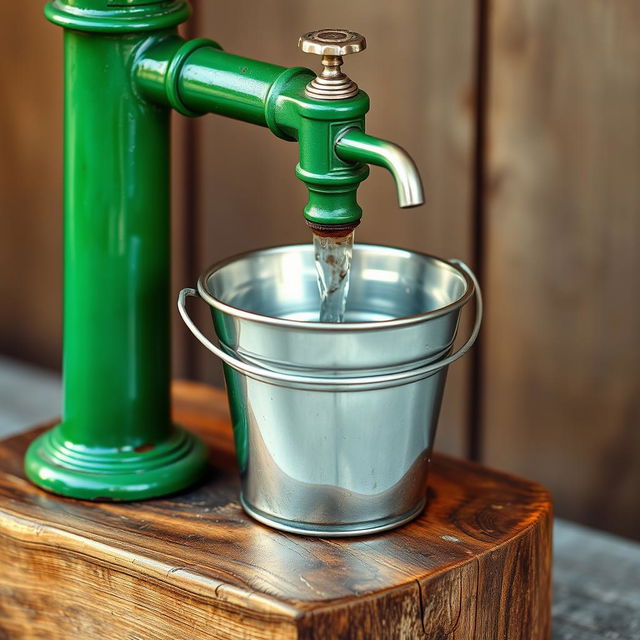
(334,423)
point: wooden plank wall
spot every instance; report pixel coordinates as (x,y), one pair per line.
(561,371)
(30,185)
(538,189)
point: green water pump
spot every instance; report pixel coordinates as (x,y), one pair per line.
(125,69)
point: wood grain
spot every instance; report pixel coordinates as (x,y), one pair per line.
(30,185)
(562,369)
(419,72)
(475,565)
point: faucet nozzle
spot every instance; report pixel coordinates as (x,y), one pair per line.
(332,230)
(357,146)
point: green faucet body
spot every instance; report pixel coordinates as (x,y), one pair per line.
(197,77)
(125,69)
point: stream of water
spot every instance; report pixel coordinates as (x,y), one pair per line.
(333,260)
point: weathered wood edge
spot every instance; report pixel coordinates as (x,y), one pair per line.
(181,578)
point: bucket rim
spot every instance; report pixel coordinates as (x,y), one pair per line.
(331,326)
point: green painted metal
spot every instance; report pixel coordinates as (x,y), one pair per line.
(210,80)
(116,440)
(125,69)
(219,82)
(117,16)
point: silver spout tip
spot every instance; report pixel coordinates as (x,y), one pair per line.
(410,193)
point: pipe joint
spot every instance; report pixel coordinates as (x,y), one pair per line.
(174,69)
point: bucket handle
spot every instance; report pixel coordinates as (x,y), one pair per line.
(261,373)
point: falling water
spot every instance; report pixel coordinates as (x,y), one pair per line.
(333,259)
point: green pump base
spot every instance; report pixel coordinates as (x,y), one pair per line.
(110,474)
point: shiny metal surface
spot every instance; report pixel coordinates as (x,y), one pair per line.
(402,310)
(346,459)
(356,146)
(332,44)
(333,383)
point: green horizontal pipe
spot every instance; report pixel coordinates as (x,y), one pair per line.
(214,81)
(151,67)
(197,77)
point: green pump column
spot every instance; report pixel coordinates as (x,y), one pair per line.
(116,440)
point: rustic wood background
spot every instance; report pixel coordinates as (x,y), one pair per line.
(524,117)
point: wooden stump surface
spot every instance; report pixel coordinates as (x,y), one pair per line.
(475,564)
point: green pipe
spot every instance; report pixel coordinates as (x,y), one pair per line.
(116,440)
(237,86)
(117,260)
(197,77)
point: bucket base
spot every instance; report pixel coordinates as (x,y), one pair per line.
(332,530)
(100,474)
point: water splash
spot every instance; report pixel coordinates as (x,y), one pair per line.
(333,262)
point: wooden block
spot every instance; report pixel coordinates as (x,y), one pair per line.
(476,564)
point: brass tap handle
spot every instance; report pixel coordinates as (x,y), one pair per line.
(332,44)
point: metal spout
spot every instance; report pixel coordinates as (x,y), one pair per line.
(357,146)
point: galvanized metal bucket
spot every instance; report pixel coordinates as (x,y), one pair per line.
(334,423)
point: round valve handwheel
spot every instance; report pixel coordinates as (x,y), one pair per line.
(332,44)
